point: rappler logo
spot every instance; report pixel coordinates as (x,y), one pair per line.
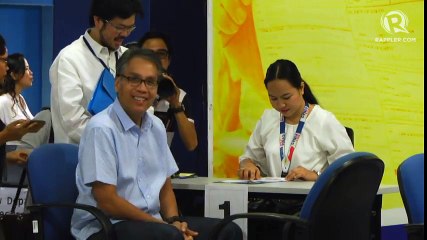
(394,22)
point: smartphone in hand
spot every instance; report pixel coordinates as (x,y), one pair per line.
(36,125)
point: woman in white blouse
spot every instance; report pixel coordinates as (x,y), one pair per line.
(12,104)
(19,77)
(297,139)
(14,107)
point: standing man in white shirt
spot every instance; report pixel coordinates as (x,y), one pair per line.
(76,70)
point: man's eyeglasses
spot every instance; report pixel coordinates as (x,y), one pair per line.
(2,59)
(162,53)
(136,81)
(120,28)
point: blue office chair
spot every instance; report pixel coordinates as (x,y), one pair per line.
(410,177)
(51,176)
(337,207)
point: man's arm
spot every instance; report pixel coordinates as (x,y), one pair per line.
(169,208)
(67,92)
(168,205)
(186,128)
(187,131)
(117,207)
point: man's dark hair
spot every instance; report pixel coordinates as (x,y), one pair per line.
(2,45)
(160,35)
(109,9)
(137,53)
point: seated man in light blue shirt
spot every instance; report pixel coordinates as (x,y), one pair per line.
(125,164)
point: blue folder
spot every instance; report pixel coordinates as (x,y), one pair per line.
(104,93)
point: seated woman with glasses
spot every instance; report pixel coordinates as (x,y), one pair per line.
(173,109)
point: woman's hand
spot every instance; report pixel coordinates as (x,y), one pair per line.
(15,130)
(186,232)
(18,156)
(301,173)
(248,170)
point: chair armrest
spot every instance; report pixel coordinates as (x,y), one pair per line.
(258,215)
(105,222)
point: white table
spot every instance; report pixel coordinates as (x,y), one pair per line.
(199,184)
(292,187)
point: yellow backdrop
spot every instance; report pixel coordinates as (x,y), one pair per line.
(363,60)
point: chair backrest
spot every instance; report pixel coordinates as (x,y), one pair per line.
(350,134)
(410,177)
(340,202)
(51,175)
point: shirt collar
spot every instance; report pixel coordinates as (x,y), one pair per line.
(98,48)
(127,123)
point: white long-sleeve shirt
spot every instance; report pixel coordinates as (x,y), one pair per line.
(10,112)
(323,140)
(74,75)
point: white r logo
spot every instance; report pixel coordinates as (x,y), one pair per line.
(394,22)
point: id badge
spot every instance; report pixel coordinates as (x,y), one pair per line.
(285,165)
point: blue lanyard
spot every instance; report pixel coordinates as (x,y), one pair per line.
(100,60)
(294,142)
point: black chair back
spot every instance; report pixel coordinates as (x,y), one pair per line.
(338,206)
(343,207)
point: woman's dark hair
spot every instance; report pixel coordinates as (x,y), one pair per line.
(288,71)
(2,45)
(109,9)
(160,35)
(16,64)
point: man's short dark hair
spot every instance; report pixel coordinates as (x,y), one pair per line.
(137,53)
(160,35)
(109,9)
(2,45)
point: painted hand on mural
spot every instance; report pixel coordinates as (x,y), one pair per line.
(238,80)
(232,14)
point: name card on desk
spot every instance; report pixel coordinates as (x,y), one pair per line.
(225,199)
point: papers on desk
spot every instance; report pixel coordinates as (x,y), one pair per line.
(186,175)
(261,180)
(183,175)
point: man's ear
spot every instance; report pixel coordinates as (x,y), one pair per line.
(98,22)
